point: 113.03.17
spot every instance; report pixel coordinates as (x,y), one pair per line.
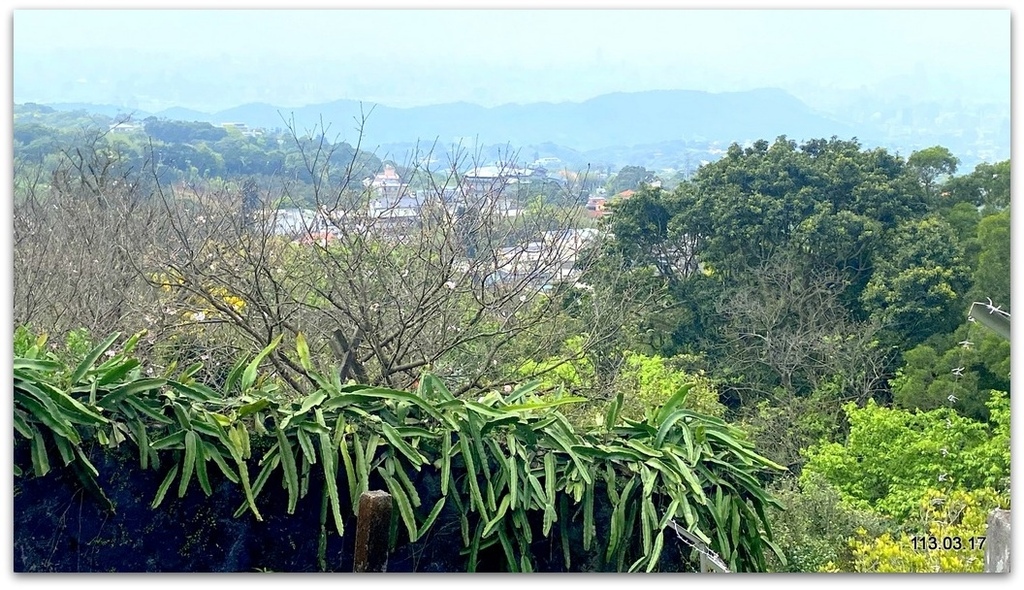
(930,543)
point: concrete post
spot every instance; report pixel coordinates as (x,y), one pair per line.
(997,542)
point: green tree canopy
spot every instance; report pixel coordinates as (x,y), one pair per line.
(919,281)
(181,131)
(767,198)
(992,275)
(988,186)
(931,164)
(629,178)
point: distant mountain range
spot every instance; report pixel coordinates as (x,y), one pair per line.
(666,125)
(619,119)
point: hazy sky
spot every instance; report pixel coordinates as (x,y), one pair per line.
(217,59)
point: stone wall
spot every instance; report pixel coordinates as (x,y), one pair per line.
(59,527)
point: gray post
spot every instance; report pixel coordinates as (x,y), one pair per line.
(373,525)
(997,542)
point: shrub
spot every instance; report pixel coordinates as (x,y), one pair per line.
(891,457)
(814,526)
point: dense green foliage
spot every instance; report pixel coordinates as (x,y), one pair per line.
(918,281)
(823,276)
(190,152)
(891,456)
(775,249)
(992,274)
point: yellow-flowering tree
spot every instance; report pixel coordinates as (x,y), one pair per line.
(950,537)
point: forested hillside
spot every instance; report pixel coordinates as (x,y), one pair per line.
(774,353)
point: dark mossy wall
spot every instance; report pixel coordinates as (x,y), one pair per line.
(58,527)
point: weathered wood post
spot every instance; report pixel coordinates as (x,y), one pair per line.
(373,524)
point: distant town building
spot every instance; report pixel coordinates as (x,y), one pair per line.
(405,207)
(241,128)
(495,180)
(600,206)
(126,127)
(387,184)
(569,242)
(299,223)
(597,207)
(548,162)
(495,189)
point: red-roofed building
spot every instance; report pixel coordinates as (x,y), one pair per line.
(596,207)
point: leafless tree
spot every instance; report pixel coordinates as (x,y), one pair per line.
(787,329)
(797,356)
(476,278)
(77,227)
(465,279)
